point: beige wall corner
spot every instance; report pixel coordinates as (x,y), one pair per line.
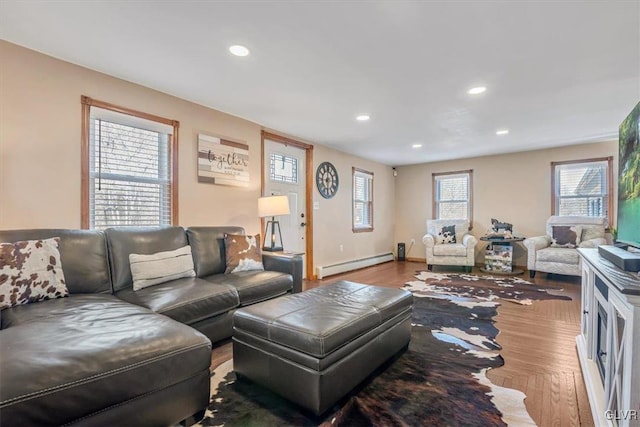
(514,187)
(332,221)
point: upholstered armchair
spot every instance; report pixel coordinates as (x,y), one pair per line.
(555,252)
(444,249)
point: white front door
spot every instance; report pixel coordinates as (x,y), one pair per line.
(284,169)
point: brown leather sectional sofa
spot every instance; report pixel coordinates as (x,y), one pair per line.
(108,355)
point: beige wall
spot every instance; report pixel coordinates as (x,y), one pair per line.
(332,221)
(512,187)
(40,118)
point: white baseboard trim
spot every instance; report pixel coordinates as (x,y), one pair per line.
(343,267)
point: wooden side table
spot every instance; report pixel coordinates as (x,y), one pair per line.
(499,253)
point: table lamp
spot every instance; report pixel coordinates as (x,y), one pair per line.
(272,206)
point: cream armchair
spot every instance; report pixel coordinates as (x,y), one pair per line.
(460,253)
(542,256)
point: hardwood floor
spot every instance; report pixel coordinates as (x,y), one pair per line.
(538,344)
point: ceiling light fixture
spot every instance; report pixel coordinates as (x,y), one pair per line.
(239,50)
(502,132)
(362,118)
(476,90)
(416,146)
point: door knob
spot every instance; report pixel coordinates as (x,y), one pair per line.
(302,224)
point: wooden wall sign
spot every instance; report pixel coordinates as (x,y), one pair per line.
(222,161)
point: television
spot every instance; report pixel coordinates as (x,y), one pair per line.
(627,256)
(628,223)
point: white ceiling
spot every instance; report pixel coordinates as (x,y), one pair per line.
(557,72)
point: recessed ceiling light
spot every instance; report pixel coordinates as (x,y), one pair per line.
(502,131)
(416,146)
(239,50)
(362,118)
(476,90)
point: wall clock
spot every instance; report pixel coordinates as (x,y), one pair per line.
(327,180)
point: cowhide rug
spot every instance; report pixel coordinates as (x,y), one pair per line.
(439,381)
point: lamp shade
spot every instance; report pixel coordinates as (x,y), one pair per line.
(273,206)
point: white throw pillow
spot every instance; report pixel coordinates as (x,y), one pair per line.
(592,232)
(149,270)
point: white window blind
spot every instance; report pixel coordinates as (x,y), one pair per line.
(452,196)
(362,200)
(581,189)
(129,170)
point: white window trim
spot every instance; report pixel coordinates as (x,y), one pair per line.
(555,171)
(436,176)
(358,228)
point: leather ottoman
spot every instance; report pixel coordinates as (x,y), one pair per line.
(314,347)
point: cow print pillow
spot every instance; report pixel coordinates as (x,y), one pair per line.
(30,271)
(447,234)
(243,253)
(565,236)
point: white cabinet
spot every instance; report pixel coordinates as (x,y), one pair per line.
(609,341)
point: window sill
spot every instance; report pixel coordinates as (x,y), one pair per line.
(362,229)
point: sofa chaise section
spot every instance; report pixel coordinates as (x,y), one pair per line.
(94,359)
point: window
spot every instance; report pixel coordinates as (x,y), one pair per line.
(453,195)
(283,168)
(129,175)
(582,187)
(362,200)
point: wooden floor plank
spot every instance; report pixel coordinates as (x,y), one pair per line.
(534,398)
(546,419)
(556,410)
(573,413)
(584,408)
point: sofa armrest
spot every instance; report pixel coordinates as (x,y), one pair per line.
(593,243)
(285,263)
(537,243)
(428,240)
(469,241)
(534,244)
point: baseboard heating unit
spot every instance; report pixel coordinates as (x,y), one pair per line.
(330,270)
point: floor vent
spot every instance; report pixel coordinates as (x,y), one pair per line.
(330,270)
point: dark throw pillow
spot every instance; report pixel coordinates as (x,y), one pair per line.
(243,253)
(447,234)
(565,236)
